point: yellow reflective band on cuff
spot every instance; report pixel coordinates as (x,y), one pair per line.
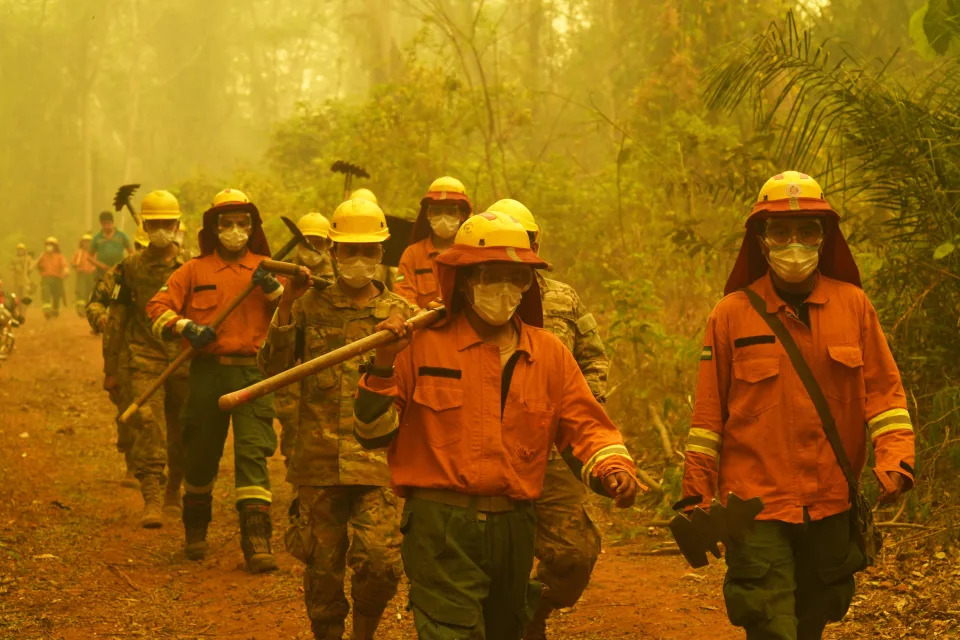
(254,493)
(892,420)
(162,322)
(704,441)
(382,426)
(602,454)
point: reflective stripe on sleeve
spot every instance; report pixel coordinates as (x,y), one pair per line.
(162,322)
(610,450)
(887,421)
(704,441)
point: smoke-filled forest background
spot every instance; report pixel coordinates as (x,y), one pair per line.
(636,131)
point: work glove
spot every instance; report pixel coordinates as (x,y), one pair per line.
(198,335)
(265,280)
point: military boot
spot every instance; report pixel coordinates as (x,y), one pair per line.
(326,630)
(255,532)
(537,627)
(171,497)
(364,626)
(196,517)
(152,501)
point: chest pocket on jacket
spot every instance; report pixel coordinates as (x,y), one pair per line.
(204,300)
(846,372)
(756,385)
(445,404)
(320,339)
(528,436)
(426,282)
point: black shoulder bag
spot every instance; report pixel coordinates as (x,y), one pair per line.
(862,529)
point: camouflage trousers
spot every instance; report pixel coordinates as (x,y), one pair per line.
(158,440)
(568,543)
(121,396)
(320,518)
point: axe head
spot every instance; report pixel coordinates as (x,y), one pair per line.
(702,530)
(124,194)
(295,230)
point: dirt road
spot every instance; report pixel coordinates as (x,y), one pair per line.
(75,565)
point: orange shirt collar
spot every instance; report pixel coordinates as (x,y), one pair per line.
(467,336)
(432,251)
(765,288)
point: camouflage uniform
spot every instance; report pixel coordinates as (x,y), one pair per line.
(340,484)
(287,399)
(116,354)
(568,543)
(158,440)
(22,268)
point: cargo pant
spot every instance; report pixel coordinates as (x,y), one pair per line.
(469,571)
(83,287)
(568,543)
(321,518)
(51,294)
(787,581)
(205,430)
(158,441)
(121,397)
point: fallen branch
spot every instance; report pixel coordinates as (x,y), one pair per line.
(120,574)
(903,525)
(665,439)
(649,480)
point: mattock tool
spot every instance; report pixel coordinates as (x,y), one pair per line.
(189,352)
(122,199)
(348,170)
(701,531)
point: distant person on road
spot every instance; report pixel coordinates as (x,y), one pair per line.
(85,268)
(765,428)
(22,266)
(442,210)
(53,271)
(470,408)
(110,245)
(341,487)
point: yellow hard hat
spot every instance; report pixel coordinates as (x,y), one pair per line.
(788,192)
(440,187)
(141,237)
(519,212)
(51,240)
(358,220)
(229,197)
(20,245)
(160,205)
(314,224)
(86,236)
(492,229)
(183,227)
(364,194)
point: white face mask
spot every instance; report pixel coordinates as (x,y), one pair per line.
(445,225)
(309,257)
(496,303)
(358,271)
(233,239)
(794,262)
(161,238)
(49,248)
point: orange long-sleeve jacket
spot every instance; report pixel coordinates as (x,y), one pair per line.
(52,265)
(83,261)
(417,278)
(754,427)
(201,288)
(448,426)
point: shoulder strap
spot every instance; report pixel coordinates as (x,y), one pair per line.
(809,383)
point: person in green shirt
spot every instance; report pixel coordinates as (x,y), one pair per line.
(110,245)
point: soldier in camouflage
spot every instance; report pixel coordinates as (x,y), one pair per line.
(22,268)
(340,485)
(568,542)
(316,258)
(103,319)
(157,442)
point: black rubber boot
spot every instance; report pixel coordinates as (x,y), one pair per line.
(196,516)
(255,532)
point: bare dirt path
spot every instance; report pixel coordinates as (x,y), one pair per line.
(75,565)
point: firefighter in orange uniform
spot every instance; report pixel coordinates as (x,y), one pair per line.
(470,410)
(756,432)
(232,245)
(442,211)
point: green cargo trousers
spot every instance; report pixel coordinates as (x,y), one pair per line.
(469,571)
(205,430)
(787,581)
